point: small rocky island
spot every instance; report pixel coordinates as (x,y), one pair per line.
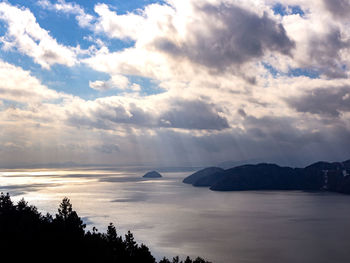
(153,174)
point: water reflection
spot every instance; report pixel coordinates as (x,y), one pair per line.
(174,218)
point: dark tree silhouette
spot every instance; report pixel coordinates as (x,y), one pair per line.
(68,220)
(26,235)
(187,260)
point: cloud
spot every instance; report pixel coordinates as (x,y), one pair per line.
(18,85)
(193,114)
(327,101)
(225,68)
(84,19)
(338,8)
(322,43)
(236,37)
(115,82)
(107,148)
(118,26)
(26,35)
(217,36)
(108,113)
(325,52)
(112,112)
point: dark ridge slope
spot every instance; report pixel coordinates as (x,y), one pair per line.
(200,174)
(259,177)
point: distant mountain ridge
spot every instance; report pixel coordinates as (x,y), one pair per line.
(327,176)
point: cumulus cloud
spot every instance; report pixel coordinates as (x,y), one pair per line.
(118,26)
(219,36)
(322,43)
(26,35)
(236,37)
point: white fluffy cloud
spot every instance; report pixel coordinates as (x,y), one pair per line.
(127,26)
(115,82)
(218,36)
(26,35)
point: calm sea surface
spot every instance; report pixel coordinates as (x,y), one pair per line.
(173,218)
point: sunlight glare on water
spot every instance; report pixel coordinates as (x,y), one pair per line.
(173,218)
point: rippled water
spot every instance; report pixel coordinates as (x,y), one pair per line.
(173,218)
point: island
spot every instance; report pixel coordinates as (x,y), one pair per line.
(152,174)
(325,176)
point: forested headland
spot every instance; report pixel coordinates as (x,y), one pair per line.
(320,176)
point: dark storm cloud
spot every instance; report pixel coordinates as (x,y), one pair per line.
(339,8)
(325,52)
(232,36)
(179,113)
(329,101)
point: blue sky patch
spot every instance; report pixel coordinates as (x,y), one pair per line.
(74,80)
(274,72)
(295,72)
(287,10)
(148,86)
(310,73)
(123,7)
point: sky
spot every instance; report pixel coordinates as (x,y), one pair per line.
(174,83)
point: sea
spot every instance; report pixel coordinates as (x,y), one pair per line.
(173,218)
